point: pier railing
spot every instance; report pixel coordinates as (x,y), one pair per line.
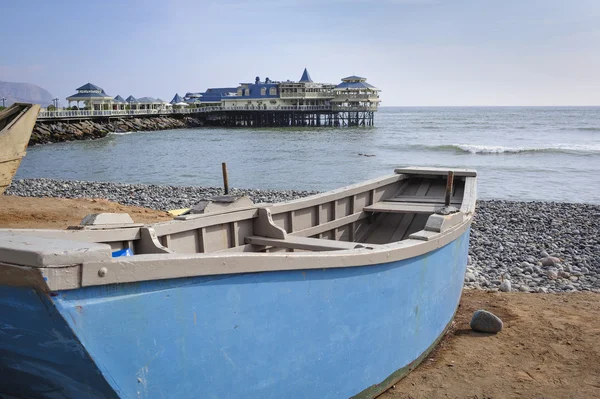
(355,97)
(90,114)
(309,94)
(59,114)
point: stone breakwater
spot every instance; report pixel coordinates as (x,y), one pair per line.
(518,246)
(46,132)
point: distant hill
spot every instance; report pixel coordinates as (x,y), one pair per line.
(24,93)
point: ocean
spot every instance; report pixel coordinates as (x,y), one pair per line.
(520,153)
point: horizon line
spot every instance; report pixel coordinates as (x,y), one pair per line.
(488,106)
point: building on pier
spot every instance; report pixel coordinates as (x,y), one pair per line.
(177,101)
(260,103)
(95,98)
(255,95)
(274,94)
(302,103)
(211,97)
(119,104)
(132,102)
(92,96)
(305,92)
(152,103)
(355,92)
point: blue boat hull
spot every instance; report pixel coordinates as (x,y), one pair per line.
(323,333)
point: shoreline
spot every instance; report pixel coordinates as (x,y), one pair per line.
(507,241)
(46,132)
(67,188)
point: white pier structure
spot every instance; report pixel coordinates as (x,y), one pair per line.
(262,103)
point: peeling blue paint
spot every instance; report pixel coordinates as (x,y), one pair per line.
(39,355)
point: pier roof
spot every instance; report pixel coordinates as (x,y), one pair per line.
(306,77)
(223,91)
(131,99)
(149,100)
(90,87)
(176,99)
(90,92)
(355,83)
(89,96)
(354,78)
(215,94)
(255,91)
(118,99)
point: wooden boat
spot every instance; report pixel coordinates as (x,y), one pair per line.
(335,295)
(16,125)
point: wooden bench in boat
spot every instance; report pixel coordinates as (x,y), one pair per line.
(305,243)
(402,207)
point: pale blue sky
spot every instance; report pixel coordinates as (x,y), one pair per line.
(419,52)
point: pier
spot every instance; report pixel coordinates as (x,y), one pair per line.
(266,103)
(303,115)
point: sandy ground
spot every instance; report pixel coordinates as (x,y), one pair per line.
(549,348)
(57,213)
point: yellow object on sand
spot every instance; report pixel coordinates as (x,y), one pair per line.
(177,212)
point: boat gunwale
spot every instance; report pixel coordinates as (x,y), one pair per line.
(14,137)
(17,116)
(178,226)
(16,112)
(146,267)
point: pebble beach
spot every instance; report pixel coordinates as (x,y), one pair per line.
(540,247)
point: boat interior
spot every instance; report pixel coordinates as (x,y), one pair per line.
(11,114)
(413,203)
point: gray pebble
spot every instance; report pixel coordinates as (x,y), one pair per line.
(549,261)
(505,286)
(551,274)
(516,271)
(486,322)
(564,274)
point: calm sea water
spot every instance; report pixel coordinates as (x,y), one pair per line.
(521,153)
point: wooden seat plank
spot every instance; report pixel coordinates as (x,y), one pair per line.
(305,243)
(436,171)
(424,200)
(402,207)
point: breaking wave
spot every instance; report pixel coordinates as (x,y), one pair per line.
(498,149)
(120,133)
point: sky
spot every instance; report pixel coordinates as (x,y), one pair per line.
(418,52)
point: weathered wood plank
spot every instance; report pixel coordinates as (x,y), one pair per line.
(424,200)
(436,171)
(333,195)
(305,243)
(402,227)
(176,226)
(82,235)
(311,231)
(424,187)
(402,207)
